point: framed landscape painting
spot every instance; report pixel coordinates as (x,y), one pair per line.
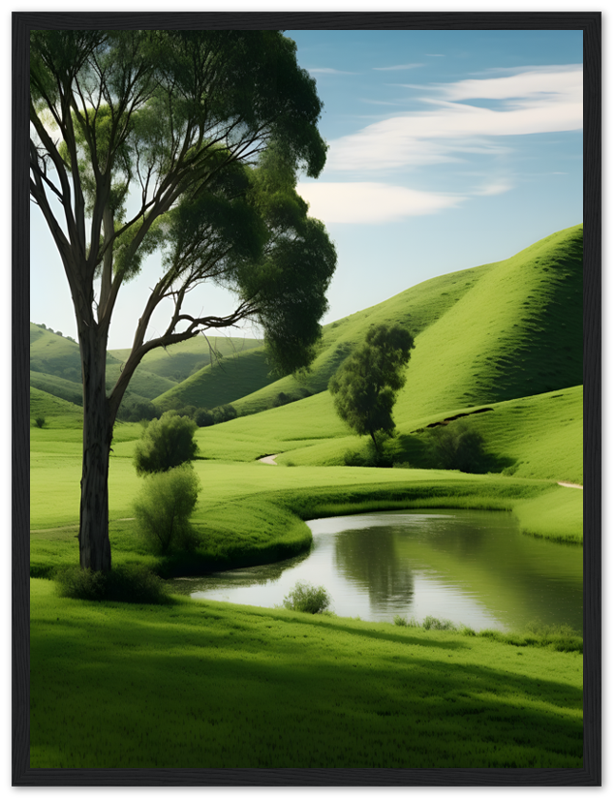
(307,472)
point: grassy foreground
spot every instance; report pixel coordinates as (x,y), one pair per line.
(204,684)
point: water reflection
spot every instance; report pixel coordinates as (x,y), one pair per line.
(472,567)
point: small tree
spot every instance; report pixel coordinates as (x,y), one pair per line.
(166,443)
(164,507)
(365,386)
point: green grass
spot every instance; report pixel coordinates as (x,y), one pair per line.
(203,684)
(58,413)
(210,685)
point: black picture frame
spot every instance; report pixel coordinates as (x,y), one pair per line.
(591,773)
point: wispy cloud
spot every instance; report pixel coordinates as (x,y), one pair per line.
(531,101)
(370,203)
(495,187)
(398,66)
(328,71)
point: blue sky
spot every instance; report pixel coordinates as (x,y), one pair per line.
(447,149)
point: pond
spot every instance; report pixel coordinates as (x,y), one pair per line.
(471,567)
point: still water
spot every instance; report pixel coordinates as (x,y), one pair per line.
(470,567)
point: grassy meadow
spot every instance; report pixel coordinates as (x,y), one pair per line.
(207,684)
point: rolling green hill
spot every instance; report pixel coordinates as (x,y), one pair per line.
(223,381)
(506,335)
(508,329)
(178,362)
(55,411)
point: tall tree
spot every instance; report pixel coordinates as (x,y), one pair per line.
(365,385)
(188,143)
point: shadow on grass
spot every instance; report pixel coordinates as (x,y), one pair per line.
(278,693)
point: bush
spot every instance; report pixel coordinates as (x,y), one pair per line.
(369,456)
(40,422)
(223,413)
(125,584)
(164,507)
(457,447)
(166,443)
(307,598)
(204,418)
(431,623)
(134,409)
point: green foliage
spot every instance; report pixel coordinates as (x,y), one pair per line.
(40,422)
(307,598)
(166,443)
(136,409)
(223,413)
(204,418)
(365,386)
(163,509)
(125,584)
(371,455)
(455,446)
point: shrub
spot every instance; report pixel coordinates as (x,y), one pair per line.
(164,507)
(369,456)
(166,443)
(307,598)
(204,418)
(457,447)
(124,584)
(431,623)
(223,413)
(134,409)
(40,422)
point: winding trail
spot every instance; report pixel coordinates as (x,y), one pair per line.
(570,485)
(270,460)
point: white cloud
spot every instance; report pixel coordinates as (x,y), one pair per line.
(495,187)
(371,203)
(399,66)
(535,101)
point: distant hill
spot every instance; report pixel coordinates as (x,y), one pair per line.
(55,364)
(223,381)
(180,361)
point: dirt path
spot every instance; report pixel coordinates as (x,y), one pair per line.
(270,460)
(570,485)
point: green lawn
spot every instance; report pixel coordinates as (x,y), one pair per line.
(203,684)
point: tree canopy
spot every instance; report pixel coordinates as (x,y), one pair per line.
(186,144)
(165,443)
(366,384)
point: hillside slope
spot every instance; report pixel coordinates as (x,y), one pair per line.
(223,381)
(487,334)
(518,332)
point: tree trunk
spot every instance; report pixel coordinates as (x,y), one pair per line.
(373,435)
(94,545)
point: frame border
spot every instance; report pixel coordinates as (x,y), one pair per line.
(590,23)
